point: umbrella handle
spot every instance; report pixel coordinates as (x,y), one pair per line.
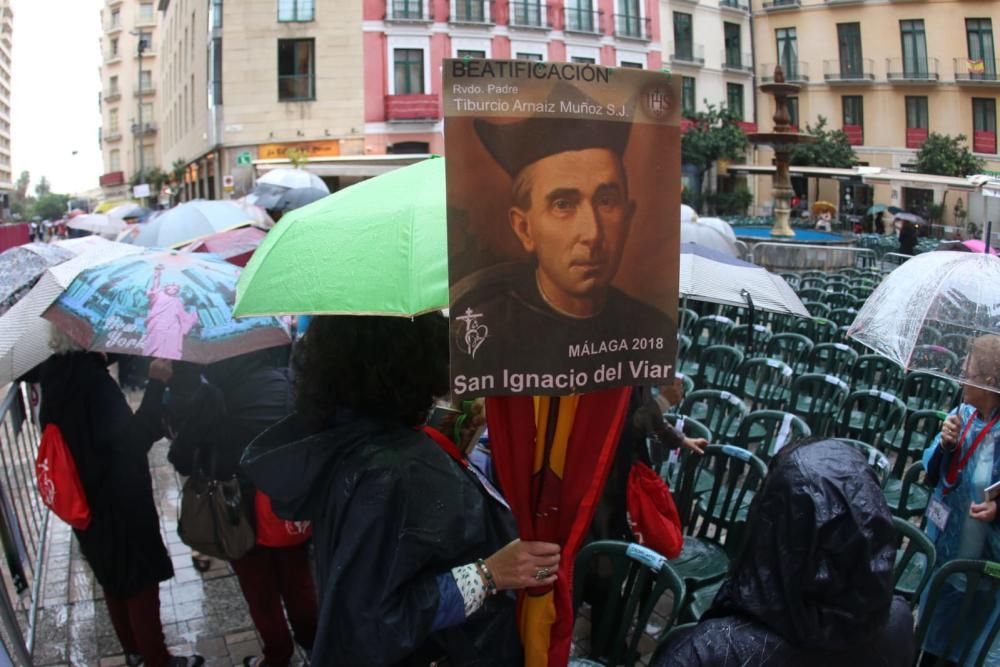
(746,295)
(989,233)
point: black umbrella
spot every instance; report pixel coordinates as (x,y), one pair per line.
(297,198)
(266,195)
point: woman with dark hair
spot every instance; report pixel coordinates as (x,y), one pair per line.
(813,585)
(414,549)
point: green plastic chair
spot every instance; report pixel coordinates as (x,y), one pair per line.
(812,282)
(668,463)
(873,371)
(811,293)
(817,329)
(814,273)
(832,359)
(850,273)
(793,279)
(904,493)
(639,577)
(876,459)
(687,382)
(924,391)
(791,348)
(717,367)
(816,308)
(711,330)
(842,300)
(683,348)
(935,357)
(764,383)
(765,432)
(817,399)
(843,317)
(914,563)
(872,416)
(714,520)
(976,577)
(720,411)
(761,335)
(957,343)
(685,321)
(929,335)
(855,345)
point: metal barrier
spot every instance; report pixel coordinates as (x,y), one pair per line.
(799,257)
(24,521)
(892,260)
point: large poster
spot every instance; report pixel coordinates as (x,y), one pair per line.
(563,226)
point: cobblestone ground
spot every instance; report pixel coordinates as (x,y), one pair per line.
(203,613)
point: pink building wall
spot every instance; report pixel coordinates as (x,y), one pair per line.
(376,86)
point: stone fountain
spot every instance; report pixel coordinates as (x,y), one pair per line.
(783,141)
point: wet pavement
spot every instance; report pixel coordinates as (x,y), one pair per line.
(203,613)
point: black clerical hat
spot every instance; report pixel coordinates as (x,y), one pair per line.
(516,145)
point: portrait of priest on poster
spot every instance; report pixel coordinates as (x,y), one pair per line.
(563,226)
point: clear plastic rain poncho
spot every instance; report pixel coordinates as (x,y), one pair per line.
(926,312)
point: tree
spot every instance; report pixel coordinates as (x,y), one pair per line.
(21,188)
(714,135)
(177,170)
(50,206)
(830,149)
(945,155)
(43,188)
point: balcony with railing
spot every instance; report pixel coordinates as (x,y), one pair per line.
(915,137)
(147,128)
(112,178)
(734,61)
(112,135)
(688,54)
(408,11)
(529,15)
(147,89)
(113,25)
(113,95)
(976,72)
(472,12)
(630,26)
(583,20)
(781,5)
(858,72)
(412,107)
(912,70)
(796,71)
(984,141)
(734,6)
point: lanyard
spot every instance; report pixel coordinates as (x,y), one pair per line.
(454,452)
(956,467)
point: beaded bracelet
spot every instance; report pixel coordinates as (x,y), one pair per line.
(491,586)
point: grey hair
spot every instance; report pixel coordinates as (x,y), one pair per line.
(60,342)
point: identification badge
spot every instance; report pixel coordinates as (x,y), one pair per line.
(937,514)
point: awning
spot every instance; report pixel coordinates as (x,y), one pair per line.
(912,180)
(810,172)
(361,166)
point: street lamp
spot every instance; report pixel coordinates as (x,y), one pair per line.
(141,47)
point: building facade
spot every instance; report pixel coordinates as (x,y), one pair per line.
(129,77)
(887,73)
(6,49)
(250,82)
(406,41)
(708,44)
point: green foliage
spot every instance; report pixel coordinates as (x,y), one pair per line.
(730,203)
(49,206)
(298,157)
(21,187)
(935,212)
(831,148)
(155,177)
(43,188)
(714,136)
(945,155)
(177,170)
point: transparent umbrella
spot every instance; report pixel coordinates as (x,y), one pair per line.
(925,313)
(710,236)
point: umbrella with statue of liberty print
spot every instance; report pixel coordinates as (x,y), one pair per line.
(164,304)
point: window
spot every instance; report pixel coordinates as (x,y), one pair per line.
(916,121)
(849,40)
(116,19)
(734,98)
(146,12)
(984,125)
(147,112)
(683,36)
(408,66)
(734,44)
(979,35)
(216,18)
(528,56)
(788,52)
(687,94)
(793,111)
(216,71)
(296,70)
(145,80)
(148,156)
(632,65)
(145,41)
(629,21)
(115,160)
(582,60)
(113,85)
(470,11)
(854,119)
(580,16)
(113,121)
(114,47)
(469,53)
(296,10)
(914,48)
(528,13)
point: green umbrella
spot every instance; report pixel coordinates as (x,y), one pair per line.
(877,208)
(376,248)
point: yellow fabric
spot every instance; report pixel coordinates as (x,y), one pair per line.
(537,616)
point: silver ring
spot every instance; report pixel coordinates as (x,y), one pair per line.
(542,573)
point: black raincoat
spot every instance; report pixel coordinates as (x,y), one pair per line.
(109,444)
(390,511)
(814,585)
